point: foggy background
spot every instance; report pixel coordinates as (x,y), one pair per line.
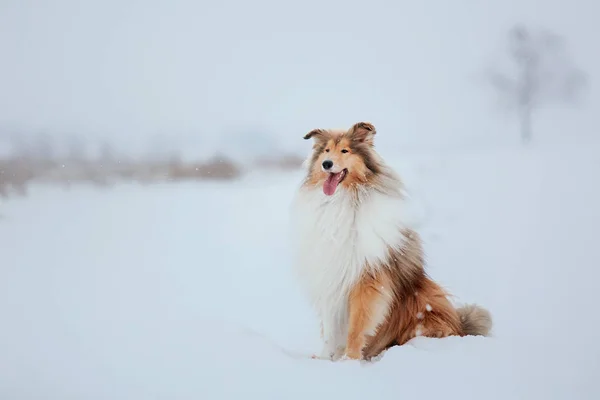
(255,76)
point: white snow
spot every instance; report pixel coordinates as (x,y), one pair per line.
(419,330)
(185,291)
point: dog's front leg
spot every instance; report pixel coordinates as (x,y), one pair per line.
(333,334)
(368,307)
(329,339)
(325,351)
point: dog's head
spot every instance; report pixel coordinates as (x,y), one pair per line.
(342,159)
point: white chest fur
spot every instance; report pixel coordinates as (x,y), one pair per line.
(335,237)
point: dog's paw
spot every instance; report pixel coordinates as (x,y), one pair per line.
(327,352)
(321,357)
(339,352)
(351,355)
(347,358)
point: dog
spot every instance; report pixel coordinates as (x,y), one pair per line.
(359,262)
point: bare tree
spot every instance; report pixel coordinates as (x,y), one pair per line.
(543,73)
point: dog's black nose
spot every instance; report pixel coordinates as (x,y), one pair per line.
(327,164)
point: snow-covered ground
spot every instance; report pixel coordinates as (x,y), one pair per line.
(184,291)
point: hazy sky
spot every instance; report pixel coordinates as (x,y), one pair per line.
(130,69)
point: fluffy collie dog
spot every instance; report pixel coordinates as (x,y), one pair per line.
(361,265)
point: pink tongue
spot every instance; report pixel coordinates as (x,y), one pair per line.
(331,183)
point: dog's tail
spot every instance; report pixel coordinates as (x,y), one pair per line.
(475,320)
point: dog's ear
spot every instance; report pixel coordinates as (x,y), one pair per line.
(317,134)
(363,132)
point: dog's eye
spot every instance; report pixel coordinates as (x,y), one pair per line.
(327,150)
(344,151)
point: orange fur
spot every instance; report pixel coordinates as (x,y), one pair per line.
(416,305)
(368,306)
